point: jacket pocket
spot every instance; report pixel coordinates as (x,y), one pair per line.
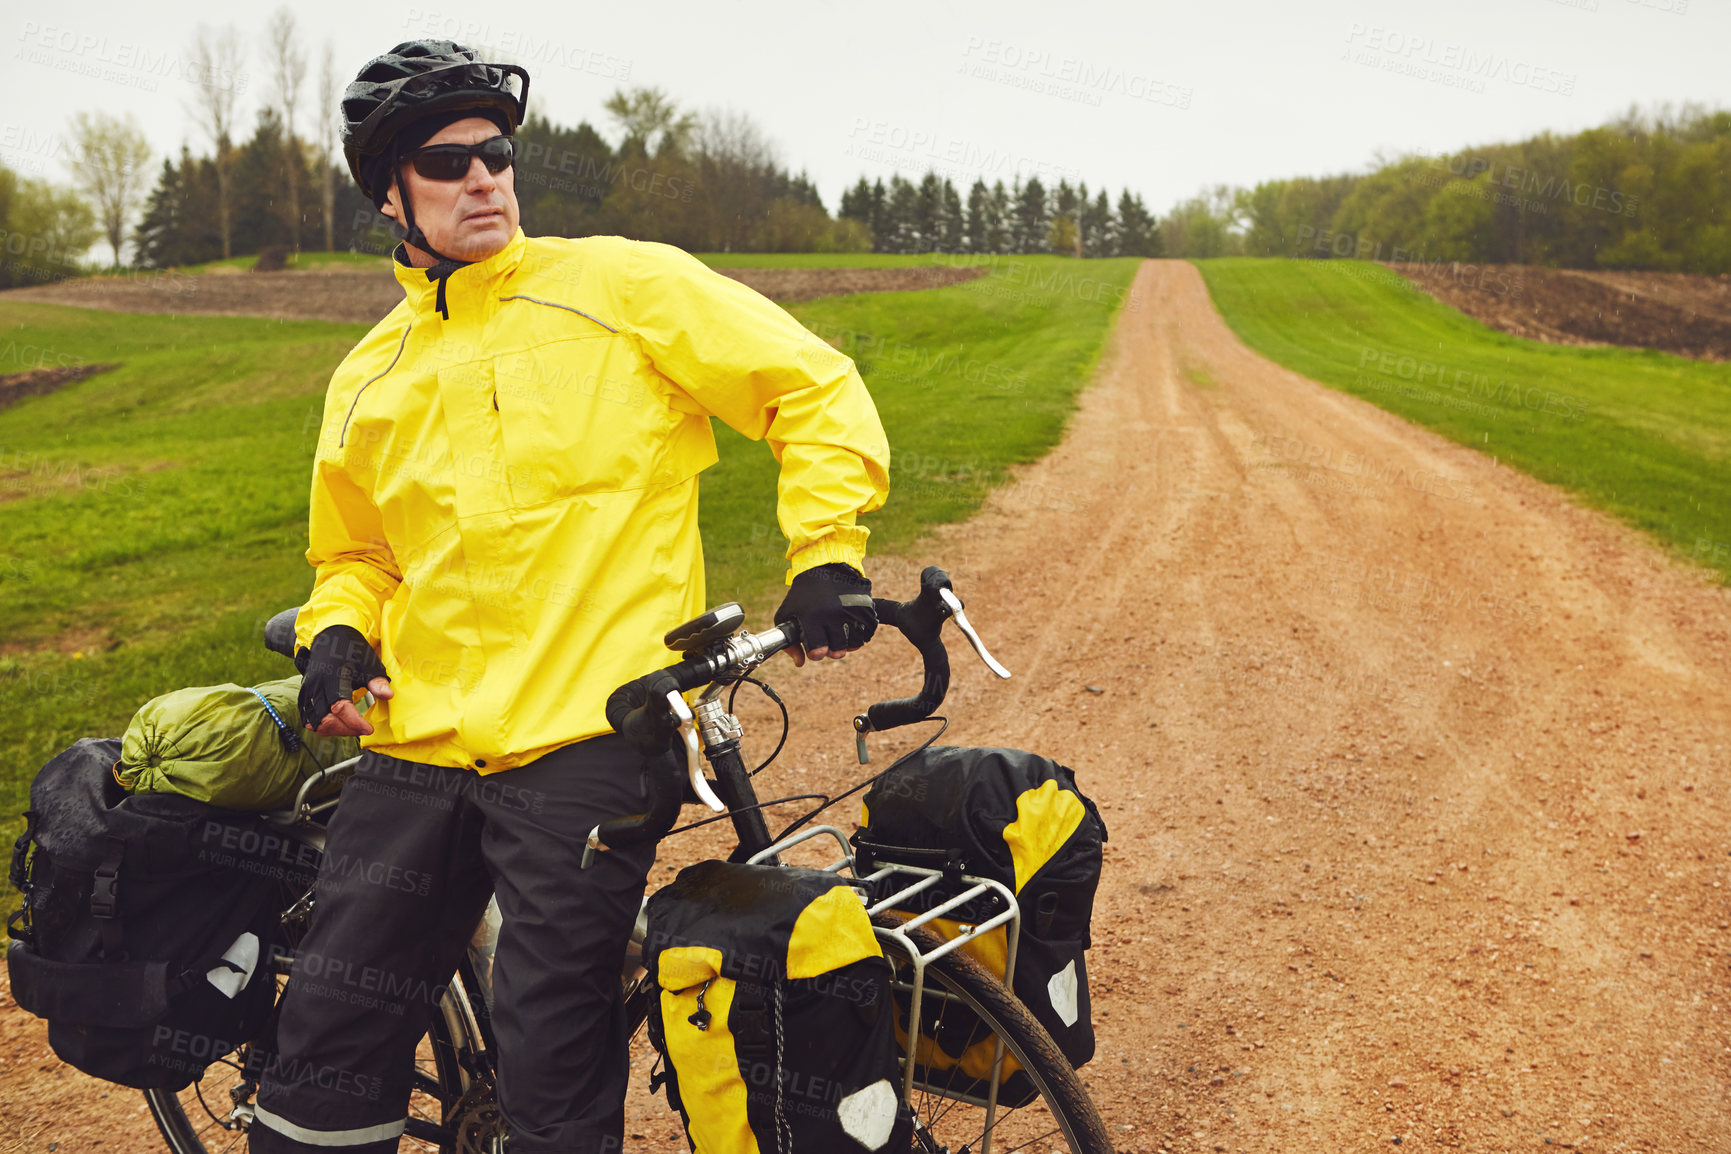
(578,417)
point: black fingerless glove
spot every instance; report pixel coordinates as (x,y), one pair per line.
(638,712)
(339,662)
(833,605)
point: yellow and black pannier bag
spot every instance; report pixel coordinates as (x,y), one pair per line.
(1019,819)
(772,1013)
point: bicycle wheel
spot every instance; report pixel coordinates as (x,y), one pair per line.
(967,1007)
(450,1111)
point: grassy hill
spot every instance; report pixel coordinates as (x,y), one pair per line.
(302,260)
(1643,435)
(152,517)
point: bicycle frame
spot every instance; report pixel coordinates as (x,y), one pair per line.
(715,732)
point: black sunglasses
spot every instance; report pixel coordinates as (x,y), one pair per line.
(451,161)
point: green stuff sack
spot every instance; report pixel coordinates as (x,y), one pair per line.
(220,745)
(1018,819)
(773,1013)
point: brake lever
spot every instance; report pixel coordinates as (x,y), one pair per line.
(693,756)
(954,605)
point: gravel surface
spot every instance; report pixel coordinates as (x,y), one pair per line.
(1417,795)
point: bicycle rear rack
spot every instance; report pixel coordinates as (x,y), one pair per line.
(304,809)
(1009,917)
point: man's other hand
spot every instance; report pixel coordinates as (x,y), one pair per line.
(345,720)
(338,662)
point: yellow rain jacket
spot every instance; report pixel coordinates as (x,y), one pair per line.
(505,502)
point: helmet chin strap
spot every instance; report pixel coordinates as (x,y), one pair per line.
(412,234)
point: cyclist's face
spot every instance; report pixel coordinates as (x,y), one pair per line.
(467,219)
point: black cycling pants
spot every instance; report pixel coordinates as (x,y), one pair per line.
(413,852)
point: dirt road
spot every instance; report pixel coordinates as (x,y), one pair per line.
(1418,789)
(1416,786)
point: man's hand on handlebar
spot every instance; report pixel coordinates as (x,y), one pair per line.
(833,605)
(339,662)
(638,712)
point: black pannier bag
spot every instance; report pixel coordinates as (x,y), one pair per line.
(771,1010)
(1016,818)
(149,923)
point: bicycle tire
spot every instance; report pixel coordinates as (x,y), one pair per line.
(444,1059)
(944,1124)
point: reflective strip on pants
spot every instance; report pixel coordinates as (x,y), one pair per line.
(359,1137)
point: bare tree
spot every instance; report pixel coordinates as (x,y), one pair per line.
(732,138)
(643,113)
(737,167)
(110,165)
(289,72)
(216,59)
(328,113)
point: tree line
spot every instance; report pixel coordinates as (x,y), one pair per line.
(44,230)
(706,182)
(903,217)
(1650,190)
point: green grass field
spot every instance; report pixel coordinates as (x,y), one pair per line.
(309,260)
(1640,434)
(152,517)
(304,260)
(833,259)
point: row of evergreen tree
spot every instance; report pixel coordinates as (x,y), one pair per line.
(705,185)
(929,217)
(708,185)
(181,224)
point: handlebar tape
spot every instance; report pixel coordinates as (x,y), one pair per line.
(921,621)
(637,710)
(665,777)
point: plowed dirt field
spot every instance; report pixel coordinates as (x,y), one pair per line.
(1680,313)
(365,295)
(1417,792)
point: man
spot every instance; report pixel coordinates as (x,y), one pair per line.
(503,524)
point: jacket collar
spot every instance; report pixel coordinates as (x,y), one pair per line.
(467,287)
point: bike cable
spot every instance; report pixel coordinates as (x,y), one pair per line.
(748,808)
(780,704)
(944,724)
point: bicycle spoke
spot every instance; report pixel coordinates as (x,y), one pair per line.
(954,1119)
(949,1104)
(235,1136)
(1031,1141)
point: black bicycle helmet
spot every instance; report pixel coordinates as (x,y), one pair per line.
(415,79)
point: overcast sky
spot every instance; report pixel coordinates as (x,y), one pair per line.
(1162,97)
